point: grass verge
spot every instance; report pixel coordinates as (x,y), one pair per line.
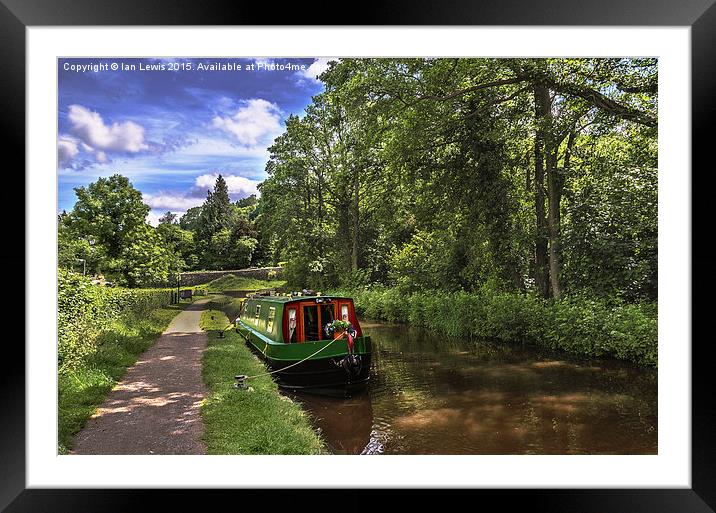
(83,388)
(237,283)
(259,421)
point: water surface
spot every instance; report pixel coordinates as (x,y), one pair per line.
(430,394)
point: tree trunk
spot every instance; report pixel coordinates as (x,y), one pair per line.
(356,221)
(554,194)
(542,112)
(320,214)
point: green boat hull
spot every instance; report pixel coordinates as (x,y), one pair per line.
(318,367)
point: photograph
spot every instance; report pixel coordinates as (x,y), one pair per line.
(280,255)
(431,250)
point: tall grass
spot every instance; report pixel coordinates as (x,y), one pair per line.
(583,326)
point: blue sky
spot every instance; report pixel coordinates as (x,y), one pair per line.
(171,127)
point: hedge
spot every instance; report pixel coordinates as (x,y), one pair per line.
(85,310)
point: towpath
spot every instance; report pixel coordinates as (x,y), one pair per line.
(155,408)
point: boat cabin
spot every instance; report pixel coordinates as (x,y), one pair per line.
(293,320)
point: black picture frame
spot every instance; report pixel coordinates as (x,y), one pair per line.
(699,15)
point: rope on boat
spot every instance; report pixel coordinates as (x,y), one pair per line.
(240,379)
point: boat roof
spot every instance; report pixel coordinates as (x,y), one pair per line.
(286,299)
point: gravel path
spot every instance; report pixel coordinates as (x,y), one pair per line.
(155,408)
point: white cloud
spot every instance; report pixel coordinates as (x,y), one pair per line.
(315,69)
(153,218)
(204,147)
(171,201)
(252,123)
(89,126)
(263,63)
(237,185)
(67,149)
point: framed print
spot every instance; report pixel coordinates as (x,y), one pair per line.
(240,146)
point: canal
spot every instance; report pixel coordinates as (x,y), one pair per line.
(430,394)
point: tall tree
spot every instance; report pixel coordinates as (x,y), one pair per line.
(110,216)
(168,218)
(216,212)
(457,173)
(109,211)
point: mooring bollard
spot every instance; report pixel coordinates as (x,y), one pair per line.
(240,381)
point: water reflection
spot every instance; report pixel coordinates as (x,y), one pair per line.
(434,395)
(345,424)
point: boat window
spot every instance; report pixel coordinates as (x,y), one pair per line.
(310,323)
(292,325)
(269,319)
(258,313)
(344,312)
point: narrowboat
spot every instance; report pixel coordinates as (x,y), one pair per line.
(310,342)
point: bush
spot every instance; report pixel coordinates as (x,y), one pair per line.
(84,311)
(578,325)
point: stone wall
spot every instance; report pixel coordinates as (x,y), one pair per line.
(192,278)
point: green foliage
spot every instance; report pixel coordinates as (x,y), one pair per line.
(339,325)
(222,233)
(168,218)
(216,212)
(612,228)
(107,229)
(596,328)
(86,311)
(190,220)
(180,246)
(231,282)
(74,252)
(144,260)
(355,280)
(582,326)
(108,212)
(226,250)
(101,331)
(421,173)
(422,262)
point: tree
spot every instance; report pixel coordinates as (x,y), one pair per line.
(144,260)
(224,234)
(180,246)
(249,201)
(108,212)
(74,250)
(108,227)
(168,218)
(190,219)
(216,212)
(462,173)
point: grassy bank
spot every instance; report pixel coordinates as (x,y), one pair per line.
(586,327)
(230,306)
(260,421)
(101,333)
(236,283)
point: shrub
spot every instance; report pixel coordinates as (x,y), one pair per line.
(85,310)
(579,325)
